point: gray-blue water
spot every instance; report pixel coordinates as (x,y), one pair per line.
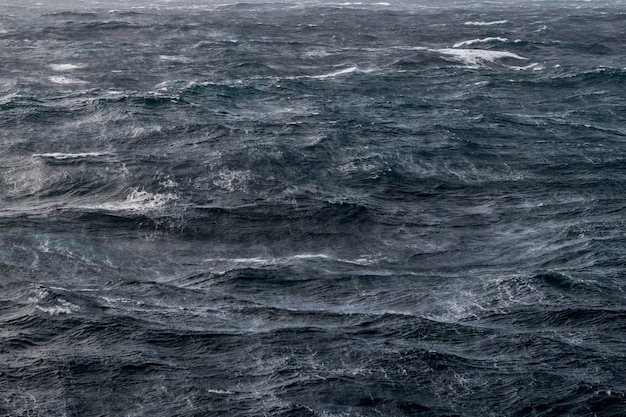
(313,209)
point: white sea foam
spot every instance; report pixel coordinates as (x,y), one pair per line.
(534,66)
(138,201)
(357,261)
(291,259)
(40,296)
(60,79)
(317,53)
(495,22)
(63,307)
(475,41)
(334,74)
(476,57)
(312,256)
(63,156)
(65,67)
(219,391)
(174,58)
(233,180)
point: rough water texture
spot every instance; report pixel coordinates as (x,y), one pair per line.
(313,209)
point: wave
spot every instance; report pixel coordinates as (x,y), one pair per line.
(66,67)
(61,79)
(325,210)
(344,71)
(477,57)
(479,41)
(491,23)
(137,201)
(69,156)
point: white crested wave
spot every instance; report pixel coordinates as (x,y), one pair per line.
(65,67)
(41,297)
(286,260)
(174,58)
(475,41)
(476,57)
(495,22)
(358,3)
(337,73)
(60,79)
(534,66)
(63,156)
(137,201)
(233,180)
(64,307)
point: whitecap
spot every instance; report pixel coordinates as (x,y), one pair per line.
(317,53)
(475,57)
(233,180)
(60,79)
(495,22)
(298,258)
(138,201)
(534,66)
(63,156)
(333,74)
(312,256)
(41,296)
(321,256)
(65,67)
(174,58)
(346,4)
(475,41)
(64,307)
(219,391)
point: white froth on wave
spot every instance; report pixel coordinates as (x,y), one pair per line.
(40,296)
(286,260)
(337,73)
(495,22)
(138,201)
(233,180)
(219,391)
(475,41)
(65,67)
(534,66)
(64,307)
(60,79)
(475,57)
(174,58)
(62,156)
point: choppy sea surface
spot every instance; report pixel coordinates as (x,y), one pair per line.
(313,209)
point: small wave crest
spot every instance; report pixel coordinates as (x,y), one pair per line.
(343,71)
(139,201)
(480,41)
(45,301)
(66,67)
(491,23)
(63,80)
(66,156)
(478,57)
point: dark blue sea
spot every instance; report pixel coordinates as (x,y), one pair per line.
(313,208)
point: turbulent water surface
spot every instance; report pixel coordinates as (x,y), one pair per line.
(313,209)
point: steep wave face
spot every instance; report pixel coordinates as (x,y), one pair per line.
(313,209)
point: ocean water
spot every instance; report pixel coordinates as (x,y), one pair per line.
(313,208)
